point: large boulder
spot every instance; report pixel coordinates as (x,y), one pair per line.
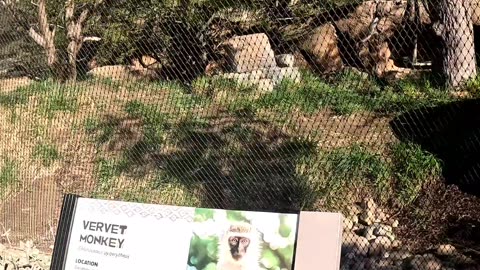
(266,78)
(365,40)
(321,46)
(249,53)
(390,13)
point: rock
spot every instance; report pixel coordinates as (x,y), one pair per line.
(426,262)
(446,250)
(265,85)
(360,229)
(386,264)
(356,24)
(354,210)
(265,79)
(116,72)
(347,261)
(399,255)
(384,65)
(23,261)
(379,245)
(367,217)
(277,75)
(15,254)
(368,233)
(29,244)
(322,48)
(285,60)
(396,243)
(354,219)
(347,224)
(381,230)
(354,244)
(390,235)
(369,204)
(395,223)
(380,216)
(368,263)
(462,259)
(249,53)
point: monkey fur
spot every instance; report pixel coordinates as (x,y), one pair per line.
(239,248)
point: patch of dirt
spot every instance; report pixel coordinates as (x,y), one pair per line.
(335,131)
(9,85)
(33,212)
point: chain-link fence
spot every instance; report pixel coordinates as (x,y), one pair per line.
(364,107)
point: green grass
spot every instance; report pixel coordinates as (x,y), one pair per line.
(8,173)
(331,174)
(103,131)
(21,95)
(46,153)
(155,123)
(58,101)
(110,82)
(413,168)
(351,92)
(91,125)
(106,171)
(206,86)
(160,189)
(399,179)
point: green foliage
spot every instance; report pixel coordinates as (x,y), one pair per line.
(413,168)
(46,153)
(8,173)
(473,86)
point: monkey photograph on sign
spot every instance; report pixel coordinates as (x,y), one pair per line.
(241,240)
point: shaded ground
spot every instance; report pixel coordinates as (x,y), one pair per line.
(452,133)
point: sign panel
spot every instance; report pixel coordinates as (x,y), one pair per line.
(104,234)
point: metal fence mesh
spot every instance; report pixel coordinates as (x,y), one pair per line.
(365,107)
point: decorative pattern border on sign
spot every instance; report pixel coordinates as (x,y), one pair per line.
(173,213)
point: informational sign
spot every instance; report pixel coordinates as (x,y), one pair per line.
(104,234)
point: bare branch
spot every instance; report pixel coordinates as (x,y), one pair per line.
(42,17)
(36,37)
(91,39)
(83,17)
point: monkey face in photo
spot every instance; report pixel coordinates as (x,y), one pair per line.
(238,246)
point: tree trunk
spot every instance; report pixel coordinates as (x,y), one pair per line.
(456,29)
(48,34)
(74,35)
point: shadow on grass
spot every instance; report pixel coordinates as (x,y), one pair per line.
(452,133)
(235,161)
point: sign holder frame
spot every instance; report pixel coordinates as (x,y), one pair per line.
(62,237)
